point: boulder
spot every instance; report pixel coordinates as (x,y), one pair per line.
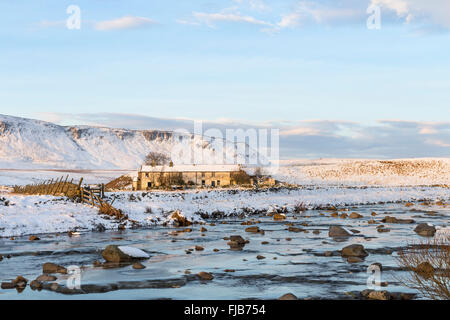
(354,260)
(354,250)
(113,253)
(382,229)
(389,219)
(7,285)
(279,216)
(35,285)
(138,266)
(45,278)
(288,296)
(295,229)
(425,270)
(355,215)
(205,276)
(379,295)
(20,282)
(425,230)
(336,231)
(179,219)
(253,229)
(238,239)
(236,242)
(53,268)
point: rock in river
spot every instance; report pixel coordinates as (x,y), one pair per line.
(45,278)
(355,215)
(205,275)
(389,219)
(354,250)
(138,266)
(253,229)
(379,295)
(336,231)
(113,253)
(425,230)
(53,268)
(288,296)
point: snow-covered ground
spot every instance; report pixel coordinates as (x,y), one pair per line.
(397,172)
(46,214)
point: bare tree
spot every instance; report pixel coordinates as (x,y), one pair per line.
(156,159)
(260,175)
(241,177)
(428,266)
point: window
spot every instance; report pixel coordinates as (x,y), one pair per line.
(218,182)
(146,175)
(203,174)
(203,182)
(213,174)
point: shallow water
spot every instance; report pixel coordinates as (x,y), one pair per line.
(295,266)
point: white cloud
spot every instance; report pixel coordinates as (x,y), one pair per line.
(127,22)
(211,18)
(434,11)
(258,5)
(51,24)
(314,12)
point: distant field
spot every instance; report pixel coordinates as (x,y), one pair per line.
(398,172)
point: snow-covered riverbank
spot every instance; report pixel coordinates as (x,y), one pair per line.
(21,215)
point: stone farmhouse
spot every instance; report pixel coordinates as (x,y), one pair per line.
(191,175)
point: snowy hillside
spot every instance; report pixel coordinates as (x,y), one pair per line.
(397,172)
(26,143)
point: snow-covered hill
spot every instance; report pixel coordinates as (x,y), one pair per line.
(28,144)
(366,172)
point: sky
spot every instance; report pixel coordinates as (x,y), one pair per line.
(334,86)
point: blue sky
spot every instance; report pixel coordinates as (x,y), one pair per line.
(280,63)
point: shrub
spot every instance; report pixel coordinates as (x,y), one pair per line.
(156,159)
(428,267)
(300,207)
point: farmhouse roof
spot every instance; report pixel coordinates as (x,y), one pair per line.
(193,168)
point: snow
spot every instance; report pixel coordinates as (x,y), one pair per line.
(193,168)
(133,252)
(231,202)
(365,172)
(33,144)
(47,214)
